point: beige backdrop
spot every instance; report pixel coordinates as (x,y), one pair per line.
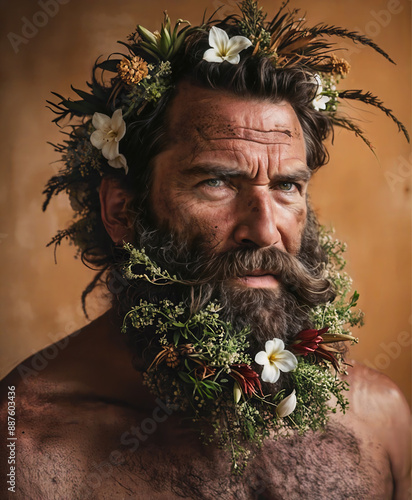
(365,197)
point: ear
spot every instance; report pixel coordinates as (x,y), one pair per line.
(116,217)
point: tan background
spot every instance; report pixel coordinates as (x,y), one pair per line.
(365,198)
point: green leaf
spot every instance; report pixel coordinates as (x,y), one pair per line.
(99,92)
(109,65)
(203,391)
(186,378)
(81,107)
(214,386)
(184,333)
(164,42)
(150,50)
(87,97)
(177,25)
(165,35)
(176,46)
(250,429)
(354,299)
(166,22)
(179,324)
(147,35)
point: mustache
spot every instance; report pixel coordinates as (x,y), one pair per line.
(307,284)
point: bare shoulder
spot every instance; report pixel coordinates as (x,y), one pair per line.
(20,410)
(61,394)
(38,402)
(375,395)
(379,403)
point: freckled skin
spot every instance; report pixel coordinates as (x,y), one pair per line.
(235,172)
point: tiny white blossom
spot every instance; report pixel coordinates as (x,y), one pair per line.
(109,132)
(225,48)
(320,101)
(287,405)
(275,358)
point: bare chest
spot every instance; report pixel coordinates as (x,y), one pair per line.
(119,458)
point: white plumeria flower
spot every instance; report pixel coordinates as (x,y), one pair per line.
(275,358)
(225,48)
(109,132)
(287,405)
(320,101)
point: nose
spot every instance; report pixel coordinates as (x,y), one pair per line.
(257,225)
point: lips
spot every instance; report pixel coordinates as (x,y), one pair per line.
(259,272)
(258,279)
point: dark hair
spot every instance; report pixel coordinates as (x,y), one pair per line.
(253,78)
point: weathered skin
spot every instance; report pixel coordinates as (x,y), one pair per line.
(80,436)
(235,174)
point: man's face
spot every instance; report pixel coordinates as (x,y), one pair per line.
(234,175)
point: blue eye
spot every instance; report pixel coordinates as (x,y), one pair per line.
(286,186)
(214,183)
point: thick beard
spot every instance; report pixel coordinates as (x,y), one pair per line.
(270,313)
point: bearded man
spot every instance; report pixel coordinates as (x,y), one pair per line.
(189,171)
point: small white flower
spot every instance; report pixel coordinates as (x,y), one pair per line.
(225,48)
(275,358)
(109,132)
(287,405)
(320,101)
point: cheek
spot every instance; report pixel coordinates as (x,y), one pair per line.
(165,203)
(292,229)
(211,225)
(187,218)
(300,216)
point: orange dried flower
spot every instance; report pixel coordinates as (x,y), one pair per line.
(339,66)
(132,71)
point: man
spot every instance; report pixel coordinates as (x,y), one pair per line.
(212,181)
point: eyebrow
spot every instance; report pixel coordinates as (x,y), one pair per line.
(301,174)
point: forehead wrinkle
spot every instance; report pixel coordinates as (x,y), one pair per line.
(230,153)
(203,142)
(269,160)
(272,136)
